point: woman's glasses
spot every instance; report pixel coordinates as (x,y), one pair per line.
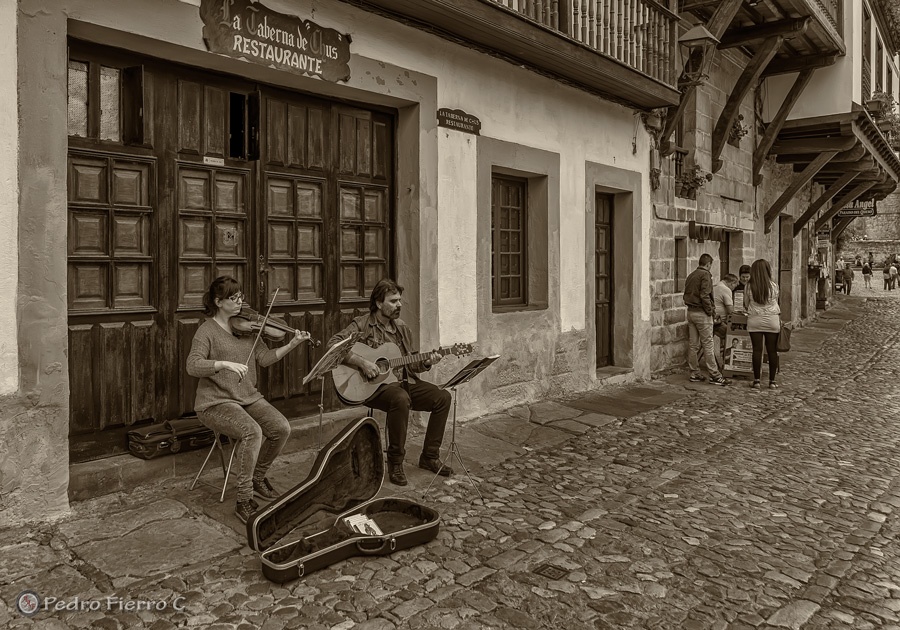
(237,297)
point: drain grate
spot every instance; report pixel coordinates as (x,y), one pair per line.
(551,571)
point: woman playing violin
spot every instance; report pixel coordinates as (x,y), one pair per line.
(227,399)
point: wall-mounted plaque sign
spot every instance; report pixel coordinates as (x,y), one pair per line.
(459,120)
(247,30)
(858,209)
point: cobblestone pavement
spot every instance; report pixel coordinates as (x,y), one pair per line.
(701,507)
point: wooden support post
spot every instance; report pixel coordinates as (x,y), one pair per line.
(790,27)
(774,127)
(840,227)
(824,198)
(799,182)
(841,202)
(717,25)
(748,79)
(815,145)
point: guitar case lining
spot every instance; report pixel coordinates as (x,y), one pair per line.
(305,529)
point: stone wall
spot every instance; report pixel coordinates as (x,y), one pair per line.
(729,201)
(879,234)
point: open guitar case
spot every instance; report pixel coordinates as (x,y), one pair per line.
(306,528)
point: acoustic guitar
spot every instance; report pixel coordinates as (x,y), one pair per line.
(353,388)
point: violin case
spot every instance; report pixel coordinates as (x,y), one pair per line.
(310,526)
(171,436)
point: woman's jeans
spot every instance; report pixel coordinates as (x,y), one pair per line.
(250,425)
(771,342)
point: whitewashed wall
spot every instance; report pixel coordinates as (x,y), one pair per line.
(9,199)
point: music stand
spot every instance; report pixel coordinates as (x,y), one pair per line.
(332,358)
(463,376)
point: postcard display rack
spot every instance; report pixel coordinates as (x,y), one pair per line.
(738,350)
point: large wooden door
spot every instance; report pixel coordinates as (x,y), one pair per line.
(208,175)
(324,237)
(603,285)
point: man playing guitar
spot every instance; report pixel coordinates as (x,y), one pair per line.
(383,325)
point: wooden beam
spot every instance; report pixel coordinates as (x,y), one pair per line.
(866,164)
(717,25)
(824,198)
(858,190)
(851,155)
(838,228)
(744,36)
(745,83)
(765,143)
(666,147)
(799,182)
(815,145)
(799,64)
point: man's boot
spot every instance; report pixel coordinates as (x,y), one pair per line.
(396,474)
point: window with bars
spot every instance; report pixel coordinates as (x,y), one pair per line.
(509,207)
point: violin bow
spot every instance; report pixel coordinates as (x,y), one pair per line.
(261,328)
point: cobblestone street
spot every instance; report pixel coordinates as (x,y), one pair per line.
(685,506)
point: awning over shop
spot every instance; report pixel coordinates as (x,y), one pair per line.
(846,153)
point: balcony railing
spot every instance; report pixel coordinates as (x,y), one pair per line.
(833,10)
(638,33)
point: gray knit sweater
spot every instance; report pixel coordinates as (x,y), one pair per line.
(213,343)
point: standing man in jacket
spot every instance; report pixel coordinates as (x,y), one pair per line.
(698,297)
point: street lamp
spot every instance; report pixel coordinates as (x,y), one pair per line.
(697,45)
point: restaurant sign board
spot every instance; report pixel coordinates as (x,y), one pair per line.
(459,120)
(247,30)
(858,209)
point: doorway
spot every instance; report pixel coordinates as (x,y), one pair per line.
(603,277)
(177,176)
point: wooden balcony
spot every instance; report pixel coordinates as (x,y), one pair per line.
(623,50)
(816,46)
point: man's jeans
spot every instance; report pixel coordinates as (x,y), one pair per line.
(397,402)
(700,331)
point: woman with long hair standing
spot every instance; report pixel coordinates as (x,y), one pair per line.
(763,319)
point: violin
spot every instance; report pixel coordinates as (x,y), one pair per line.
(249,322)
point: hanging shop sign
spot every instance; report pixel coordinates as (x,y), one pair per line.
(244,29)
(459,120)
(858,209)
(823,238)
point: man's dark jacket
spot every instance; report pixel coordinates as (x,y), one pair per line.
(698,291)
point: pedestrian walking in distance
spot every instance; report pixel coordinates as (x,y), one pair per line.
(848,278)
(698,297)
(867,274)
(763,319)
(886,275)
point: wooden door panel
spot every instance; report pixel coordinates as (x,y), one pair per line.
(113,385)
(603,264)
(149,396)
(295,238)
(603,326)
(185,328)
(213,229)
(364,240)
(295,135)
(190,117)
(83,403)
(215,117)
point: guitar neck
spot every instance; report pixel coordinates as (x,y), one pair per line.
(415,358)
